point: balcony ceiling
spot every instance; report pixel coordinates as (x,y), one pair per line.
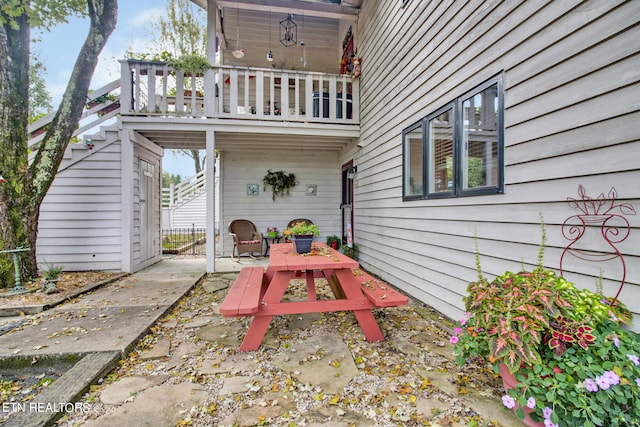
(254,26)
(188,140)
(335,9)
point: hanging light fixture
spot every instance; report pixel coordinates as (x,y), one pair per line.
(239,52)
(303,58)
(289,31)
(270,54)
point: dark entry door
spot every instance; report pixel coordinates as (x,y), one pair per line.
(347,204)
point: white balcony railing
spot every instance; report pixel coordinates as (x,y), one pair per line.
(154,88)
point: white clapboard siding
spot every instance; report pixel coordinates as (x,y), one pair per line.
(190,213)
(310,167)
(571,117)
(80,218)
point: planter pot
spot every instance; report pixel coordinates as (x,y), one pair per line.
(272,234)
(302,243)
(334,245)
(509,381)
(51,286)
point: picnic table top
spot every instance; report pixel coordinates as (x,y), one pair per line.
(284,258)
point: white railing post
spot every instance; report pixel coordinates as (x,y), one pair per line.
(260,94)
(125,87)
(308,87)
(247,106)
(151,89)
(355,101)
(165,82)
(332,97)
(209,92)
(233,95)
(179,91)
(297,96)
(272,94)
(284,95)
(221,91)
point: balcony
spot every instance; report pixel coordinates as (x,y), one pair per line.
(245,93)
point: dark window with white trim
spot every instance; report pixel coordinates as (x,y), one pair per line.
(458,149)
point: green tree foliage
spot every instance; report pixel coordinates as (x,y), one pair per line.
(27,182)
(182,32)
(40,103)
(167,179)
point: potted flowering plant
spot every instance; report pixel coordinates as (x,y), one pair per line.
(302,233)
(564,356)
(272,232)
(301,228)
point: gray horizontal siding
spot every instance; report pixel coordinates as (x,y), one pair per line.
(571,84)
(309,167)
(80,218)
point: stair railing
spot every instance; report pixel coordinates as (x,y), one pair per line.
(178,193)
(102,105)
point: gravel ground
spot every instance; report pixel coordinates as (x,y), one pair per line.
(410,379)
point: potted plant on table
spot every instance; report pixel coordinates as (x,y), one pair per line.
(272,232)
(565,357)
(302,234)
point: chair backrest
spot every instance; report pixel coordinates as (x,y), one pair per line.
(303,220)
(243,228)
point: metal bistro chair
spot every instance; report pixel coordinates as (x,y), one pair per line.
(246,238)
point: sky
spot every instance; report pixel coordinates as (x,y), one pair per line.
(58,50)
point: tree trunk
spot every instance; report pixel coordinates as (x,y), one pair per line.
(14,114)
(195,154)
(27,185)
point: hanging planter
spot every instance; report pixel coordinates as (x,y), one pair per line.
(280,182)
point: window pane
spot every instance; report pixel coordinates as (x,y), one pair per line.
(441,153)
(413,173)
(480,139)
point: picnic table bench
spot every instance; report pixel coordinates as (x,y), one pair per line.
(379,293)
(260,294)
(244,295)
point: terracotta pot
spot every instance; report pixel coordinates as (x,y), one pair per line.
(509,381)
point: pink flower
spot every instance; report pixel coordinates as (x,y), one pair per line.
(638,381)
(457,330)
(453,339)
(465,316)
(611,377)
(634,359)
(590,385)
(616,341)
(603,382)
(508,401)
(531,403)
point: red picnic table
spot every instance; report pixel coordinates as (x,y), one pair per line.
(260,294)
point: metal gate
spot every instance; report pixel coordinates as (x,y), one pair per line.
(184,241)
